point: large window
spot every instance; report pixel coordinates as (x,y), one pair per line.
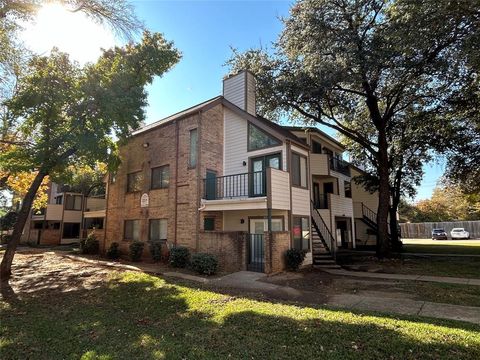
(93,223)
(73,202)
(160,177)
(258,139)
(301,233)
(132,230)
(71,230)
(348,189)
(158,229)
(209,223)
(316,147)
(299,170)
(192,160)
(134,181)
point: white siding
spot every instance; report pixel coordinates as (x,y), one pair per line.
(54,212)
(234,89)
(319,164)
(72,216)
(232,219)
(299,150)
(235,145)
(251,107)
(300,201)
(280,186)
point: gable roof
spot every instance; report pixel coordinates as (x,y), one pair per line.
(265,124)
(317,130)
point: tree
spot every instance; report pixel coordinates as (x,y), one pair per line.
(87,180)
(66,115)
(360,64)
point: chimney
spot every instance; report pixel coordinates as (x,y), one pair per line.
(239,89)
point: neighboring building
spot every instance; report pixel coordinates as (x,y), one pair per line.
(67,217)
(218,178)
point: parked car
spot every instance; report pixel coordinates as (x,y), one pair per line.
(439,234)
(459,233)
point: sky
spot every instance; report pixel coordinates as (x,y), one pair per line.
(204,31)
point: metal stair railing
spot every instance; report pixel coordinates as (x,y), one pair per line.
(323,231)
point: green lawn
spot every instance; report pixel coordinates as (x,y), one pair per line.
(463,247)
(137,316)
(454,267)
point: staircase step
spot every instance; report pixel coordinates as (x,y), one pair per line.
(334,266)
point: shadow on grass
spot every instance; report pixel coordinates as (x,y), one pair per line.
(136,316)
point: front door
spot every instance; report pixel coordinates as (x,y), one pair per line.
(328,188)
(258,177)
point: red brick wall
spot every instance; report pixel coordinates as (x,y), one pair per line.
(230,248)
(276,243)
(184,191)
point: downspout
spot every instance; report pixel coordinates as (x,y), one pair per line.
(176,181)
(199,158)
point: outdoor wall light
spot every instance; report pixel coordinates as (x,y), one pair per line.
(146,145)
(242,221)
(244,163)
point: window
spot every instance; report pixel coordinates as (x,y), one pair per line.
(299,170)
(209,223)
(316,147)
(301,233)
(132,230)
(38,225)
(93,223)
(73,202)
(58,200)
(348,189)
(258,139)
(192,160)
(55,225)
(158,229)
(134,181)
(160,177)
(71,230)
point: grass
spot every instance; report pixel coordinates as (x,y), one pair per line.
(134,315)
(462,247)
(454,267)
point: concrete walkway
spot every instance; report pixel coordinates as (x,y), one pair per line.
(439,279)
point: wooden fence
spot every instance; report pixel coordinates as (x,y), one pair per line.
(424,230)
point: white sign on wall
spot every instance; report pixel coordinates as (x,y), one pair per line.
(144,200)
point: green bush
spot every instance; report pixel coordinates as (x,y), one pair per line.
(90,245)
(113,251)
(156,250)
(204,263)
(179,256)
(136,250)
(294,258)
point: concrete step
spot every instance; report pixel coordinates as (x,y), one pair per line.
(320,267)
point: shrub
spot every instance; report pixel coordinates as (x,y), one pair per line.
(204,263)
(294,258)
(156,250)
(113,251)
(179,256)
(90,245)
(136,250)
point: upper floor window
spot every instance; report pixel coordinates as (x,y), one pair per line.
(348,189)
(258,139)
(160,177)
(192,159)
(134,181)
(73,202)
(316,147)
(299,170)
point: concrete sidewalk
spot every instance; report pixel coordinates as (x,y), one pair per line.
(438,279)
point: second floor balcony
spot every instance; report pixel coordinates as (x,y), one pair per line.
(254,190)
(324,164)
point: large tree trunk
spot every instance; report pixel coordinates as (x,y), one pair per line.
(383,243)
(394,233)
(6,265)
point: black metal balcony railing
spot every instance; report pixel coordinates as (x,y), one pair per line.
(320,201)
(340,166)
(235,186)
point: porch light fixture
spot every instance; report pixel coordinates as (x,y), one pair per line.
(244,163)
(146,145)
(242,221)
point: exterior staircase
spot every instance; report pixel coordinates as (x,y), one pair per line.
(323,243)
(369,217)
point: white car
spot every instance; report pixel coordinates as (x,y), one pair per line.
(459,233)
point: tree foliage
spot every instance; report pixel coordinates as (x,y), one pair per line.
(372,70)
